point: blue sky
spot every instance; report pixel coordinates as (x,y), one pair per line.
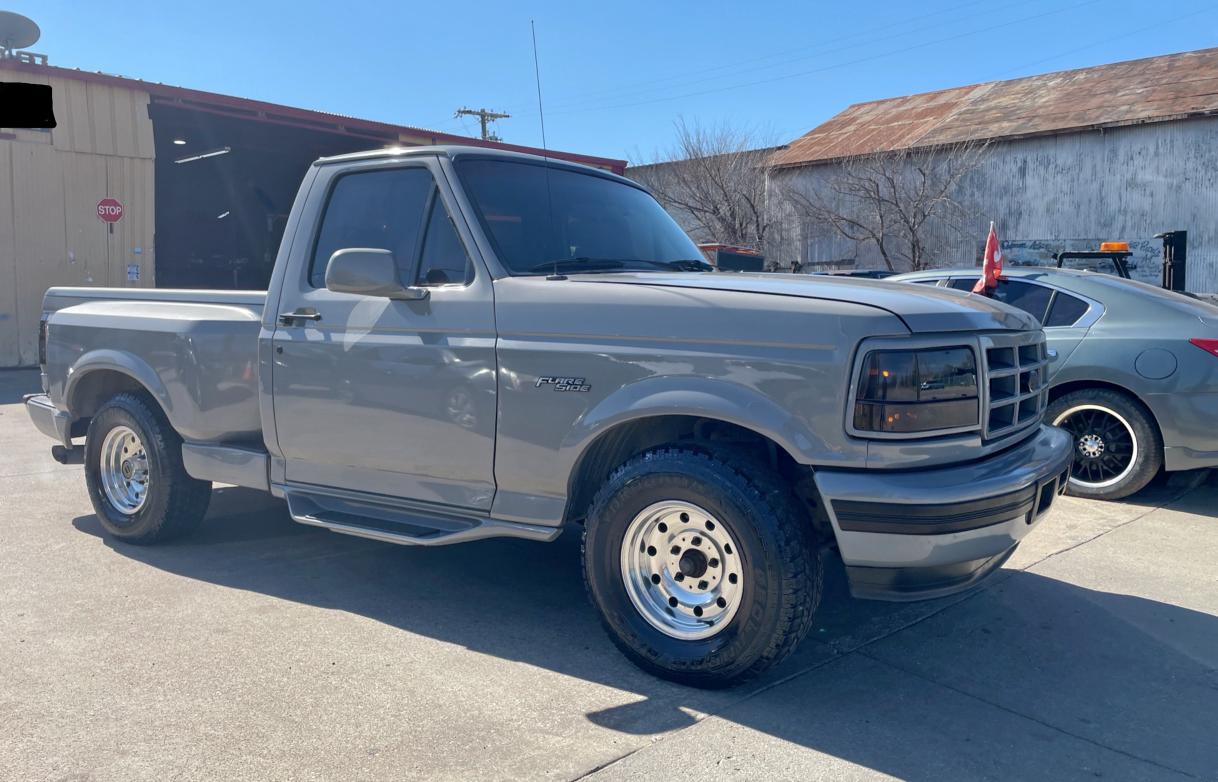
(615,76)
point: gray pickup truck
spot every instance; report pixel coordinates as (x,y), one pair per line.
(460,343)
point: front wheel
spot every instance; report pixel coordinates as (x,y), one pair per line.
(133,468)
(701,566)
(1118,449)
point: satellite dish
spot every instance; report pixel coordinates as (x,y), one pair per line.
(17,31)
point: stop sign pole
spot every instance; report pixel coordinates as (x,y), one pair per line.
(110,211)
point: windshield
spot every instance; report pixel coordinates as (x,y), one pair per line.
(595,224)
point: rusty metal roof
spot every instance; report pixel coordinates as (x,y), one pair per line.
(1154,89)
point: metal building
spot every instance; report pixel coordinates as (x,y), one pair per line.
(197,186)
(1117,152)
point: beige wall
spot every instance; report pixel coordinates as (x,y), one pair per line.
(50,184)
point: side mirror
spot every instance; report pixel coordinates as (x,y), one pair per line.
(369,272)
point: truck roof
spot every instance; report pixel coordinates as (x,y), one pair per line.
(453,150)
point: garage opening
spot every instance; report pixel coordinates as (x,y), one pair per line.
(224,186)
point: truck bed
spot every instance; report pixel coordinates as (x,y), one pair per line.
(195,350)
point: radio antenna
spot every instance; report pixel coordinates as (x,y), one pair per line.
(545,151)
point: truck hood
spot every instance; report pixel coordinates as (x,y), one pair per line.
(923,308)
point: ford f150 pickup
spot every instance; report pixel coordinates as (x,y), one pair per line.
(459,343)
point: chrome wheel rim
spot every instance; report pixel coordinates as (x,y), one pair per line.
(681,569)
(123,468)
(1106,448)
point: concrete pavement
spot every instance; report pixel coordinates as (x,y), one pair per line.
(263,649)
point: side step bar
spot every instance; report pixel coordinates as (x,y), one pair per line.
(392,521)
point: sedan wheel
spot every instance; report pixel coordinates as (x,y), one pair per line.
(1118,448)
(1106,448)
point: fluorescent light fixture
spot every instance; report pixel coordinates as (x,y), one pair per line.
(201,155)
(179,141)
(222,215)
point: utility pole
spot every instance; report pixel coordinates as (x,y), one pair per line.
(485,117)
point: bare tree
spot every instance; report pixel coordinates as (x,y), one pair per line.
(899,201)
(712,180)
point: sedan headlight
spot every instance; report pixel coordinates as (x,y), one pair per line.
(910,391)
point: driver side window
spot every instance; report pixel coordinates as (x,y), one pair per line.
(376,209)
(396,209)
(444,260)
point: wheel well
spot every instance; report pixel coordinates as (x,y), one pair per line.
(628,439)
(1058,392)
(94,389)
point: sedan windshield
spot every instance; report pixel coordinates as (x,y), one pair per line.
(584,223)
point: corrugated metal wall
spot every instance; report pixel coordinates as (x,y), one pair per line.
(1071,191)
(50,183)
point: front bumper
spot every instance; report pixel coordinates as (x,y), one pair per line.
(49,420)
(918,534)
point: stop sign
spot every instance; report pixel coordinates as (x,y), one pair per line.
(109,210)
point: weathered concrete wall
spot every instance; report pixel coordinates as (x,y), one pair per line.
(1068,191)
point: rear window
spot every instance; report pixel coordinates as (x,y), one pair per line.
(1029,297)
(1066,310)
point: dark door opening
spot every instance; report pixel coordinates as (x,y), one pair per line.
(224,186)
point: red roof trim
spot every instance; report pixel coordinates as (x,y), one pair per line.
(288,115)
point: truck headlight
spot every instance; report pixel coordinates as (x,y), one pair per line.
(909,391)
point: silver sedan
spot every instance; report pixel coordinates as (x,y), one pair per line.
(1133,372)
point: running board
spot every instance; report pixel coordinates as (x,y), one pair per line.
(391,521)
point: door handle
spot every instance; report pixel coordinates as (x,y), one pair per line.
(288,318)
(1052,353)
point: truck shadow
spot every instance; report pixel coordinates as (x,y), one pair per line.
(1029,677)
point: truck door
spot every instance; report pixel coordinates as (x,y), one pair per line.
(384,396)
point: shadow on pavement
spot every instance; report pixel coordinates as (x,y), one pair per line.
(1032,676)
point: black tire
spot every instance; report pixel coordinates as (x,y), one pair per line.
(1112,468)
(174,503)
(781,565)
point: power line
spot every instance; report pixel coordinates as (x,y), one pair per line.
(735,63)
(869,40)
(1107,39)
(903,33)
(573,105)
(830,67)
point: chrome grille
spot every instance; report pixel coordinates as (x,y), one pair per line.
(1016,389)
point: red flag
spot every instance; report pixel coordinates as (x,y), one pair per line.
(991,268)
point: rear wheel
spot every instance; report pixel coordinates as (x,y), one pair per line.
(133,468)
(1118,449)
(701,565)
